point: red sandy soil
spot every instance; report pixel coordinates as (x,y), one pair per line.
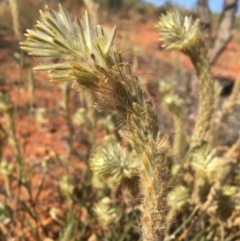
(228,64)
(39,141)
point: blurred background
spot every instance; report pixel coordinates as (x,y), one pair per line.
(48,133)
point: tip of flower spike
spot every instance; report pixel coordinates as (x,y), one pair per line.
(47,9)
(41,13)
(61,9)
(111,39)
(23,47)
(177,32)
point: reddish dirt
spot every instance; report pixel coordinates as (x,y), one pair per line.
(228,64)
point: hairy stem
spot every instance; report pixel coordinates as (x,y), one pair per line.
(93,62)
(184,35)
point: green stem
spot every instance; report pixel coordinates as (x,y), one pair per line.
(178,133)
(8,185)
(199,58)
(173,179)
(186,221)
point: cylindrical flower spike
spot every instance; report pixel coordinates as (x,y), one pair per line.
(184,35)
(93,62)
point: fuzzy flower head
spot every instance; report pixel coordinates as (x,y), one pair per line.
(205,163)
(105,213)
(228,202)
(57,37)
(113,163)
(85,55)
(176,32)
(178,197)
